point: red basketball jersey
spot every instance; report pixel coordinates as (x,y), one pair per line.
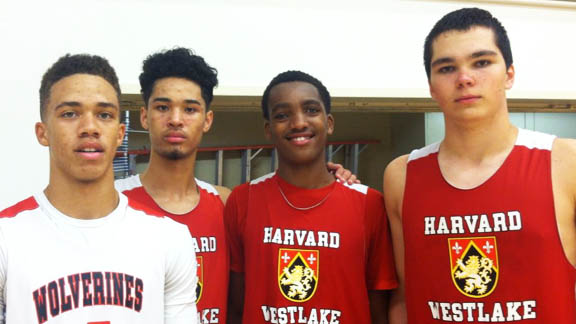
(206,225)
(308,266)
(487,254)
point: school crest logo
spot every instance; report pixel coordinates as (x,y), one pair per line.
(298,273)
(200,275)
(474,265)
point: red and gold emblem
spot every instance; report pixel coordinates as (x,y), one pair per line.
(200,275)
(474,265)
(298,273)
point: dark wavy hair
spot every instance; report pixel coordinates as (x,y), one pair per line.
(181,63)
(462,20)
(68,65)
(290,76)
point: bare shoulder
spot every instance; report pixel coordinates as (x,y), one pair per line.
(223,192)
(395,174)
(564,148)
(394,182)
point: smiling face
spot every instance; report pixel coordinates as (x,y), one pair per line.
(176,118)
(298,125)
(468,75)
(81,128)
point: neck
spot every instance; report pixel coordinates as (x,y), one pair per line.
(309,176)
(475,141)
(170,176)
(82,200)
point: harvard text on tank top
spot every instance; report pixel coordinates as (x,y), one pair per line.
(88,289)
(479,223)
(301,237)
(204,244)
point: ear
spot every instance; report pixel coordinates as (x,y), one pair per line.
(510,74)
(267,130)
(42,134)
(431,90)
(330,120)
(144,117)
(121,132)
(208,121)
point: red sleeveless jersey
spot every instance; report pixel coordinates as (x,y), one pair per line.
(308,266)
(206,224)
(487,254)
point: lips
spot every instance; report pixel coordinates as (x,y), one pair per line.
(90,151)
(468,99)
(300,138)
(174,137)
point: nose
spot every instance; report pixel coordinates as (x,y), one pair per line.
(465,78)
(89,126)
(175,118)
(298,120)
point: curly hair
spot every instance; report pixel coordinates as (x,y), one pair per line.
(290,76)
(68,65)
(462,20)
(182,63)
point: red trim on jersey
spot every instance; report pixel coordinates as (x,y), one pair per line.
(137,205)
(26,204)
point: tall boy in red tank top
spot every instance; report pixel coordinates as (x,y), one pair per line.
(305,248)
(483,222)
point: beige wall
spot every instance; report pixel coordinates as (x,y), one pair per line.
(398,133)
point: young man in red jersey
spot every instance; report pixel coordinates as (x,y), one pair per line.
(177,88)
(79,252)
(305,248)
(483,223)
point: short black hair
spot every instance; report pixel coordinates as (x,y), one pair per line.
(68,65)
(178,62)
(291,76)
(462,20)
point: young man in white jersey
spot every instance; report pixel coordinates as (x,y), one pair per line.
(489,195)
(177,89)
(78,252)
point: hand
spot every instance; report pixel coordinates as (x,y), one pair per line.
(344,175)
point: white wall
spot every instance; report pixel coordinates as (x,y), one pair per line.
(365,48)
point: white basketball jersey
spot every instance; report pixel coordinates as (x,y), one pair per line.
(124,268)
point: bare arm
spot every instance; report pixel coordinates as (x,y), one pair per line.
(564,188)
(235,298)
(378,306)
(394,182)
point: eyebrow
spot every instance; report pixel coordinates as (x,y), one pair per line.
(282,105)
(188,101)
(444,60)
(77,104)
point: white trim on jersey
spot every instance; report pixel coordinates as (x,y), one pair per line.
(262,178)
(527,138)
(132,182)
(535,140)
(356,186)
(424,152)
(207,186)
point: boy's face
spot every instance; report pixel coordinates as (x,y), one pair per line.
(298,125)
(176,117)
(468,75)
(81,127)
